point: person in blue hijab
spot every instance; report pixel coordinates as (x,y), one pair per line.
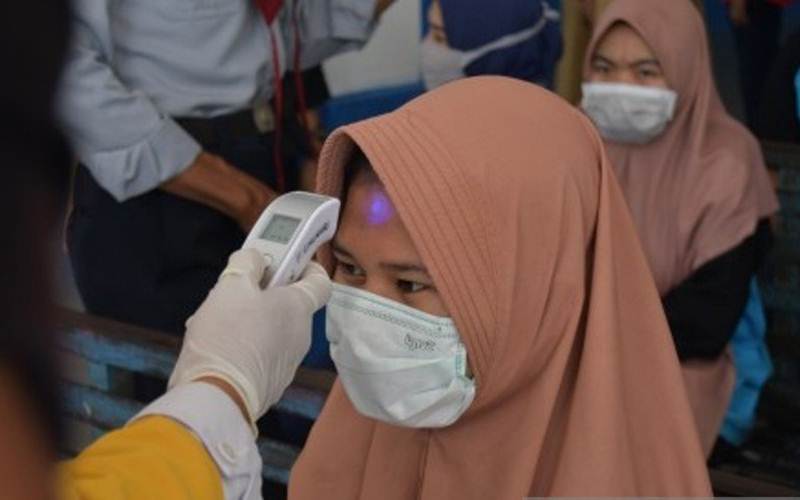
(515,38)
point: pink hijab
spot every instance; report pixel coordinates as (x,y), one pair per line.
(508,196)
(697,191)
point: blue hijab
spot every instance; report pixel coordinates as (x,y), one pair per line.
(470,24)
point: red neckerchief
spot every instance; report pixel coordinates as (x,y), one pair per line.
(269,8)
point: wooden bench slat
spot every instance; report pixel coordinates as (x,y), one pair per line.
(82,371)
(729,484)
(127,353)
(302,402)
(151,353)
(112,411)
(781,155)
(68,320)
(92,413)
(99,407)
(81,434)
(278,459)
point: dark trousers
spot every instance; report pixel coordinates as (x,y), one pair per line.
(757,45)
(152,260)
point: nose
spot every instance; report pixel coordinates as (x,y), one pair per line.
(622,76)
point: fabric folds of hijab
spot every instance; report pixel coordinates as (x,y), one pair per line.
(697,191)
(470,24)
(507,195)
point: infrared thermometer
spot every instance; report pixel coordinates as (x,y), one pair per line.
(290,231)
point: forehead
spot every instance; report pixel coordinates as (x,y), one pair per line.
(623,43)
(370,227)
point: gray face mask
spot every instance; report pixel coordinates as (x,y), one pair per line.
(628,114)
(442,64)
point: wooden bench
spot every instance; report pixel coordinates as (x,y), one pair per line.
(776,438)
(102,355)
(780,285)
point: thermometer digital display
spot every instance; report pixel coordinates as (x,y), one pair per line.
(289,233)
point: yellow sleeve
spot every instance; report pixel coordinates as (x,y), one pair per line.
(153,458)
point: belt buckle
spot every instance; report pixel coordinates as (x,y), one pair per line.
(264,118)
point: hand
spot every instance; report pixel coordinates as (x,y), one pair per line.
(738,12)
(212,181)
(251,339)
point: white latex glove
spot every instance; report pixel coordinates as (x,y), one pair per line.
(253,339)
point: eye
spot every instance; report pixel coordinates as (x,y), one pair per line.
(350,269)
(649,73)
(601,67)
(411,286)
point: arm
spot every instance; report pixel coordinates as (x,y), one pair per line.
(704,310)
(331,27)
(198,440)
(213,182)
(169,452)
(129,145)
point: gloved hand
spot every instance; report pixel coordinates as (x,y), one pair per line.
(253,339)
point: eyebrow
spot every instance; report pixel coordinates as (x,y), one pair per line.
(602,58)
(640,62)
(643,62)
(437,27)
(399,267)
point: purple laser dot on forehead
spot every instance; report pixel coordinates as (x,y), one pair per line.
(380,208)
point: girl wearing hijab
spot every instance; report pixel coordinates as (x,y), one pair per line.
(697,187)
(516,38)
(494,324)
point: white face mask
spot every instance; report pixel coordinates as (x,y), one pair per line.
(397,364)
(630,114)
(442,64)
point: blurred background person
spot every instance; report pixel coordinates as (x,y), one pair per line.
(578,16)
(176,113)
(698,190)
(516,38)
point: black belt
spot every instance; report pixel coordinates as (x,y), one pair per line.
(240,124)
